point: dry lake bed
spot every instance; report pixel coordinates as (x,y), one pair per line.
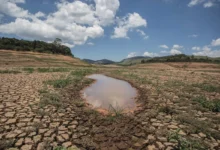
(43,108)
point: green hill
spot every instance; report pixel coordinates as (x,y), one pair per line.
(35,46)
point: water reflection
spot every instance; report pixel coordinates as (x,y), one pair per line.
(108,91)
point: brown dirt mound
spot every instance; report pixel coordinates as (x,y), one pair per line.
(33,59)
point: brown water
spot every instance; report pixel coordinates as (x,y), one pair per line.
(108,92)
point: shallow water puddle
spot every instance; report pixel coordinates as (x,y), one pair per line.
(108,92)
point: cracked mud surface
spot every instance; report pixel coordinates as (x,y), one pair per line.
(26,125)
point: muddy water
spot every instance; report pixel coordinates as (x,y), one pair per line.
(108,92)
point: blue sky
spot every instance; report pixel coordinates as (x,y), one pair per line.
(116,29)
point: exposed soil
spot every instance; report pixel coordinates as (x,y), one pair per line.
(166,98)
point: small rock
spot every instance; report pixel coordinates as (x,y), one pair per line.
(67,144)
(26,147)
(151,138)
(202,135)
(151,147)
(160,145)
(11,121)
(19,142)
(28,141)
(37,138)
(65,136)
(10,114)
(59,139)
(182,132)
(40,146)
(172,127)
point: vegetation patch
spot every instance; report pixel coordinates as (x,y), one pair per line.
(207,87)
(50,99)
(213,105)
(183,143)
(198,125)
(42,70)
(28,70)
(82,72)
(9,72)
(60,83)
(167,110)
(4,144)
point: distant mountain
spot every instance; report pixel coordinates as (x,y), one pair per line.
(133,60)
(89,61)
(101,62)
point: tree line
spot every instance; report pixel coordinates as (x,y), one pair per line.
(36,46)
(182,58)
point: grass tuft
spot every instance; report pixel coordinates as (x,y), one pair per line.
(50,99)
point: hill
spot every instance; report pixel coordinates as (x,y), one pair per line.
(10,58)
(182,58)
(133,60)
(35,46)
(100,62)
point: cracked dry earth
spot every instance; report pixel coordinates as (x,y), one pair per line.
(26,126)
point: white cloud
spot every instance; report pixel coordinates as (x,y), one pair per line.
(164,46)
(106,10)
(175,52)
(90,43)
(149,54)
(195,2)
(208,52)
(73,22)
(128,23)
(143,34)
(132,54)
(39,14)
(216,42)
(17,1)
(69,45)
(176,46)
(208,4)
(196,48)
(193,36)
(10,8)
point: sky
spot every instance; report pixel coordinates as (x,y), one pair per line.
(117,29)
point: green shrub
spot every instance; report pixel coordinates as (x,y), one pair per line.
(29,70)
